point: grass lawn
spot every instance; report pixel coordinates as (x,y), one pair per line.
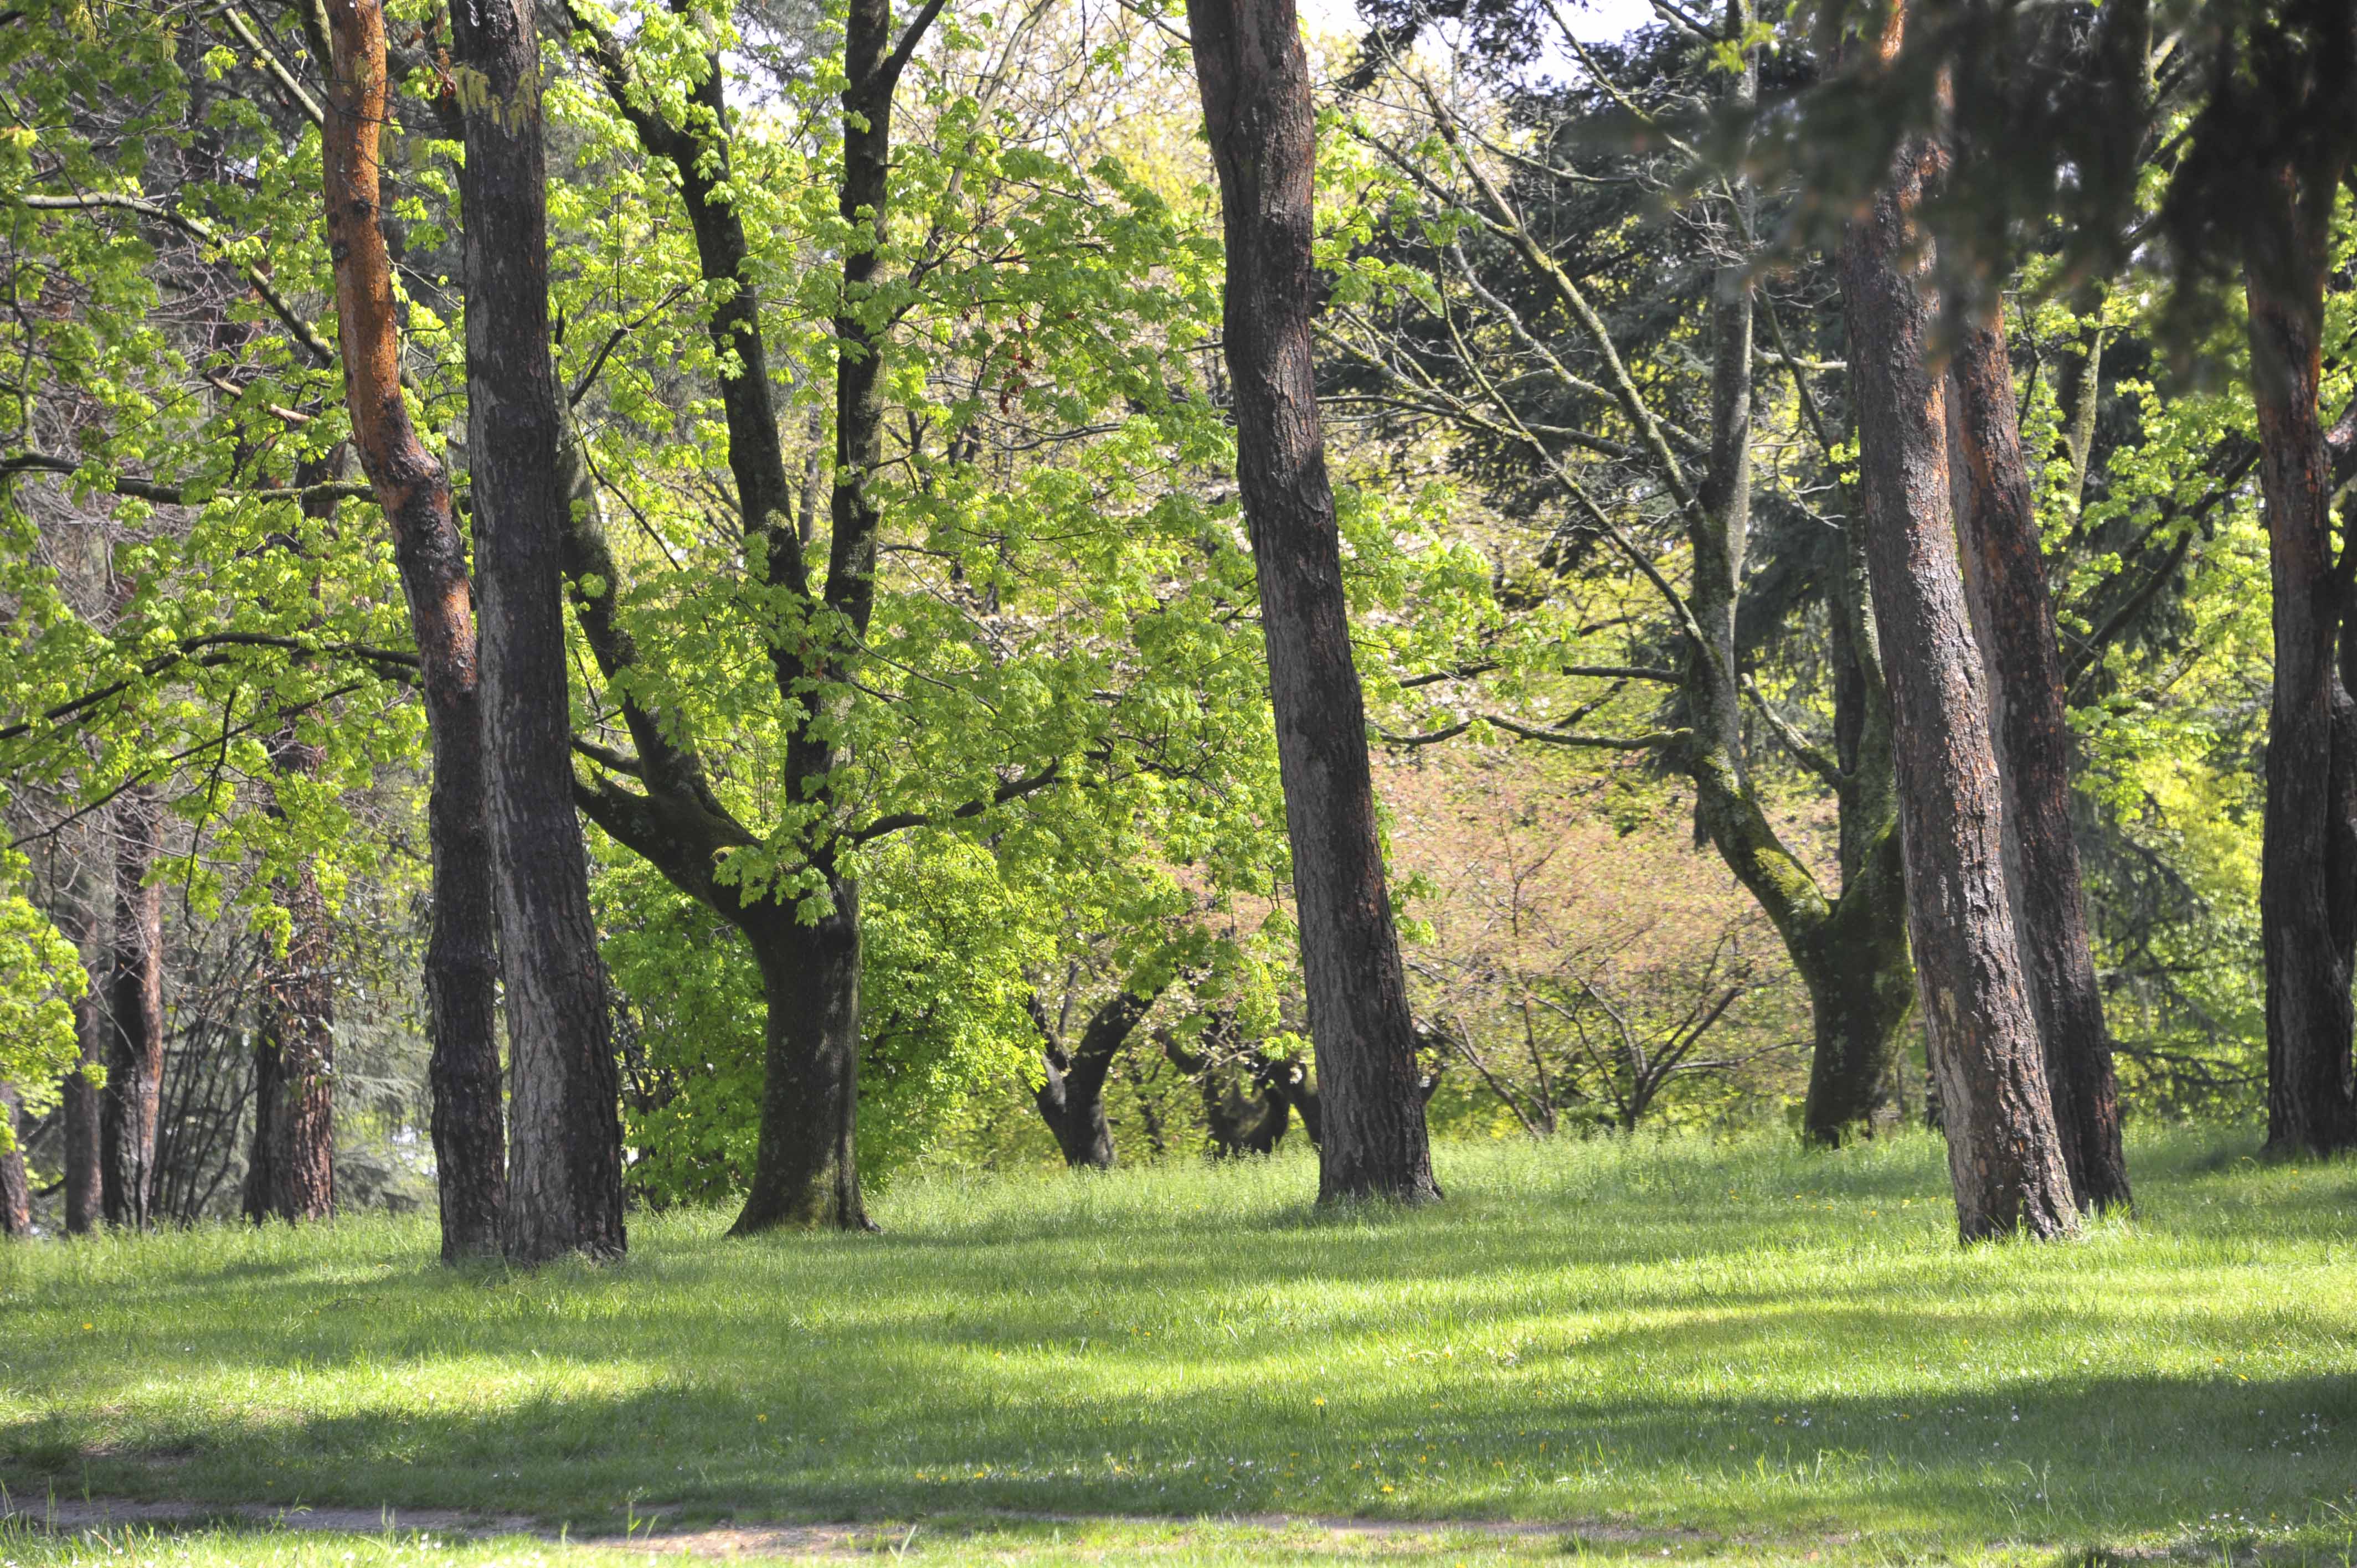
(1685,1349)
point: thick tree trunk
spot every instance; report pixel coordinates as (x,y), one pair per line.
(291,1174)
(564,1146)
(1861,983)
(1072,1096)
(2005,572)
(16,1192)
(134,1000)
(2307,883)
(461,959)
(2004,1153)
(1255,81)
(806,1159)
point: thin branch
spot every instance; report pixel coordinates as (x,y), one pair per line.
(240,24)
(1807,756)
(196,229)
(176,495)
(1013,789)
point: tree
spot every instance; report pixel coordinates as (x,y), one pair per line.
(1070,1095)
(565,1170)
(134,1007)
(2004,1155)
(1254,77)
(806,1172)
(2013,618)
(1020,625)
(2271,149)
(414,492)
(1556,332)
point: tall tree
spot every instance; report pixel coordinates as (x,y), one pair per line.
(1254,77)
(2270,152)
(462,964)
(134,1004)
(805,1166)
(1542,356)
(78,1095)
(2005,1155)
(564,1164)
(291,1172)
(2013,618)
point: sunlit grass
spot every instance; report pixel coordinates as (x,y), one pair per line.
(1679,1342)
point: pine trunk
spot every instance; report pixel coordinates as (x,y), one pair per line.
(461,959)
(2307,881)
(2004,1153)
(1254,83)
(134,1000)
(565,1154)
(2013,616)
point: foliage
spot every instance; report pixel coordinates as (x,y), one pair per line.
(41,980)
(946,949)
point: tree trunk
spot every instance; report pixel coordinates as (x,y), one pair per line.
(2013,616)
(807,1166)
(2004,1154)
(1072,1096)
(1254,83)
(1861,983)
(16,1192)
(78,1097)
(292,1173)
(564,1157)
(1850,950)
(135,999)
(2307,883)
(461,959)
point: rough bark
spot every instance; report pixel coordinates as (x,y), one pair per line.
(1070,1096)
(565,1143)
(291,1174)
(806,1169)
(461,960)
(134,1004)
(2013,619)
(16,1192)
(1254,83)
(2307,881)
(2004,1153)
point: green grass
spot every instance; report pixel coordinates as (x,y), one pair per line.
(1702,1349)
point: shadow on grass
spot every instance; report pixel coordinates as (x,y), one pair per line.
(1638,1346)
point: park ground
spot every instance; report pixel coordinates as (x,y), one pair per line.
(1684,1348)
